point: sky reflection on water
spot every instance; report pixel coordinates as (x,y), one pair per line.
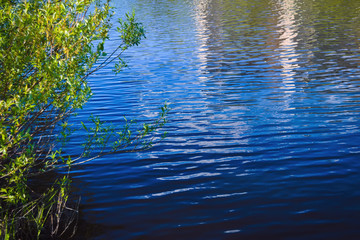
(264,129)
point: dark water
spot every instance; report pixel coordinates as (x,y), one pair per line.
(264,129)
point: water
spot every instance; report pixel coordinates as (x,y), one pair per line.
(264,130)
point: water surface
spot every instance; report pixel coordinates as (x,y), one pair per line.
(264,130)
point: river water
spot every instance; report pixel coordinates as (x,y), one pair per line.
(264,130)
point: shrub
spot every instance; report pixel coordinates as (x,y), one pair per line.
(48,49)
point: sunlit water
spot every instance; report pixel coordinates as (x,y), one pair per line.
(264,129)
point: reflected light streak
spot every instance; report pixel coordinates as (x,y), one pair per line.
(288,43)
(202,31)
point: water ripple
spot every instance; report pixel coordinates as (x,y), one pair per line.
(263,135)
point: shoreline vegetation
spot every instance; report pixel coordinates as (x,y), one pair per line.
(48,49)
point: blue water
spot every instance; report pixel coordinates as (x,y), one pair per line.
(263,134)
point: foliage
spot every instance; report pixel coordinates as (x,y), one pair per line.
(48,49)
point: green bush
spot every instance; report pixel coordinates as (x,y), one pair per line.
(47,52)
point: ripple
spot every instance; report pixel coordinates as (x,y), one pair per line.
(186,177)
(264,128)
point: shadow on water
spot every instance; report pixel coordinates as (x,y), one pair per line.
(89,230)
